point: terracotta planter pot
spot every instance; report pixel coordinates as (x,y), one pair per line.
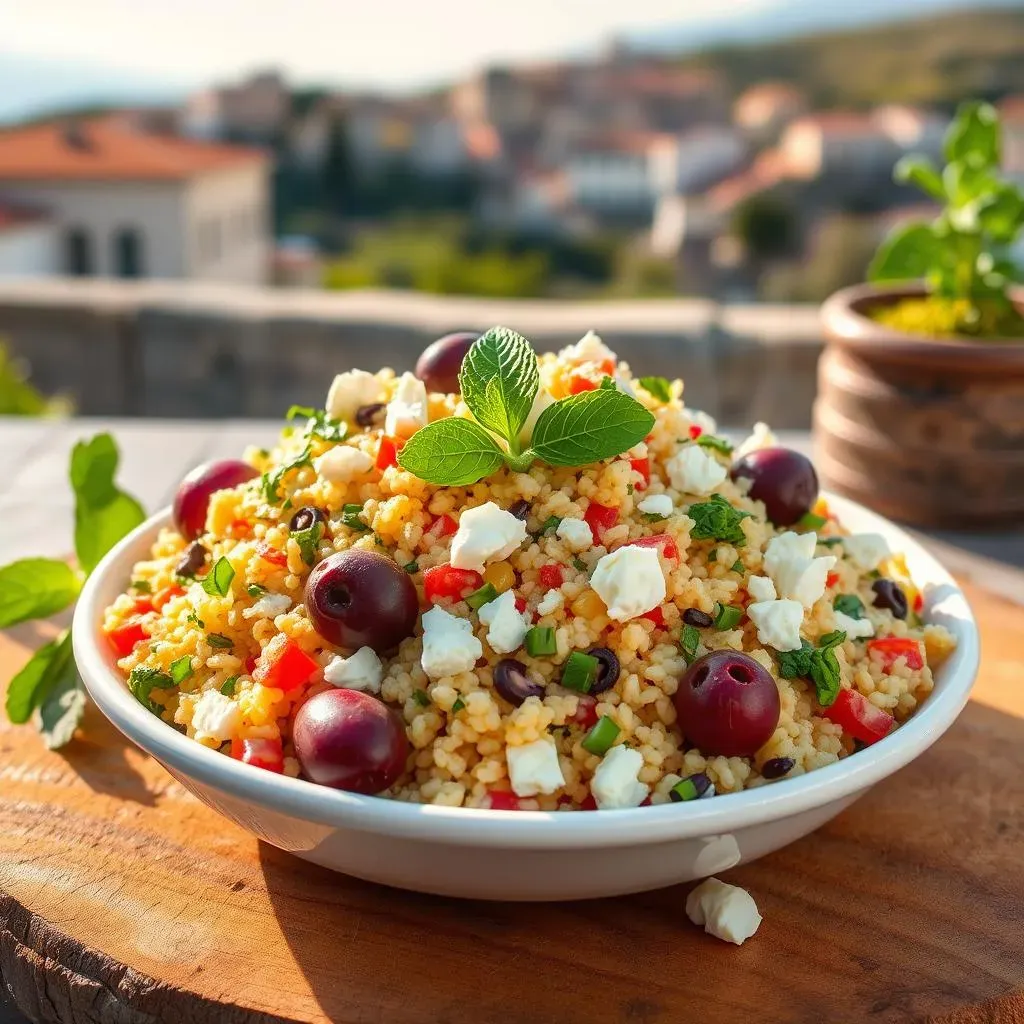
(927,430)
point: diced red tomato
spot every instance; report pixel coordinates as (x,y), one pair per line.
(589,804)
(643,467)
(241,527)
(600,518)
(387,453)
(283,665)
(143,605)
(161,597)
(250,664)
(695,431)
(858,717)
(918,602)
(442,526)
(259,752)
(551,576)
(831,579)
(447,581)
(662,541)
(503,800)
(271,554)
(893,647)
(124,638)
(607,366)
(586,711)
(578,384)
(655,615)
(520,604)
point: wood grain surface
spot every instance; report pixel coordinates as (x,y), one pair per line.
(125,901)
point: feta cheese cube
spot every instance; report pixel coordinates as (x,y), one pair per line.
(694,471)
(341,465)
(269,606)
(349,391)
(486,533)
(215,717)
(866,550)
(762,437)
(506,624)
(407,411)
(615,784)
(449,646)
(726,911)
(761,588)
(533,768)
(550,602)
(630,581)
(855,629)
(589,349)
(361,671)
(576,533)
(778,623)
(797,574)
(656,505)
(540,403)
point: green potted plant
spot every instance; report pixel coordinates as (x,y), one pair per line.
(920,408)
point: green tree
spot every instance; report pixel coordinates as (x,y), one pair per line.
(768,227)
(338,179)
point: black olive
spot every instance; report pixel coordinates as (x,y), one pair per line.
(889,594)
(777,767)
(307,516)
(695,617)
(192,560)
(370,415)
(607,669)
(512,682)
(520,509)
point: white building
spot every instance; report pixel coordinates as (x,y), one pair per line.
(128,203)
(696,159)
(844,143)
(28,243)
(254,110)
(610,175)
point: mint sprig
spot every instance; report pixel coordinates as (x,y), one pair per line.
(716,519)
(500,380)
(659,387)
(819,664)
(318,423)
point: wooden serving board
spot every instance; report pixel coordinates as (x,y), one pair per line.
(125,901)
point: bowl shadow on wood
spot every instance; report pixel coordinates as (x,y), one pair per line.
(900,908)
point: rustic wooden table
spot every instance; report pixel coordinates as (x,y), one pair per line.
(125,901)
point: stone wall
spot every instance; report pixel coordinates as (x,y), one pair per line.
(178,349)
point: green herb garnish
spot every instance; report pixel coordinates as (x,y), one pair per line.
(551,523)
(411,567)
(458,705)
(255,590)
(738,566)
(143,681)
(141,586)
(219,640)
(727,616)
(540,641)
(652,517)
(849,604)
(271,482)
(659,387)
(351,516)
(421,698)
(579,564)
(688,643)
(195,620)
(601,737)
(716,519)
(817,663)
(318,423)
(811,521)
(499,381)
(718,444)
(309,541)
(484,595)
(713,555)
(217,582)
(181,670)
(228,686)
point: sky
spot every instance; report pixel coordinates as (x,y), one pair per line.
(387,44)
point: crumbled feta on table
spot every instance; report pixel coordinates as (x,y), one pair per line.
(407,411)
(778,623)
(789,560)
(486,533)
(215,717)
(630,581)
(576,533)
(360,671)
(449,645)
(349,391)
(694,471)
(726,911)
(343,464)
(533,768)
(615,784)
(506,624)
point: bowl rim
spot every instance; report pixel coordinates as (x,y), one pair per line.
(297,798)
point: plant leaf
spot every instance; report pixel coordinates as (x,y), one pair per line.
(915,170)
(143,681)
(906,255)
(28,688)
(1002,216)
(451,452)
(973,137)
(590,426)
(62,709)
(660,387)
(93,465)
(34,588)
(717,519)
(499,381)
(217,582)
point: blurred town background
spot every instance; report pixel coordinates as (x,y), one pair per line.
(736,162)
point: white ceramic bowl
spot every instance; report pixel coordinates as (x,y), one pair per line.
(511,855)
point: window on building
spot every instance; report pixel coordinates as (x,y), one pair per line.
(78,253)
(128,256)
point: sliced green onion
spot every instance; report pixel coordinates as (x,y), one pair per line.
(718,444)
(421,698)
(600,739)
(487,593)
(692,788)
(351,516)
(689,641)
(727,616)
(810,521)
(411,567)
(217,582)
(580,672)
(458,705)
(228,686)
(540,641)
(181,669)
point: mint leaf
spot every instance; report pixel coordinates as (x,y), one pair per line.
(819,664)
(181,669)
(93,465)
(308,541)
(849,604)
(220,641)
(973,137)
(38,676)
(62,709)
(906,255)
(35,588)
(143,681)
(919,171)
(318,423)
(688,642)
(217,582)
(271,482)
(795,664)
(352,517)
(451,452)
(660,387)
(499,381)
(589,427)
(718,444)
(228,686)
(716,519)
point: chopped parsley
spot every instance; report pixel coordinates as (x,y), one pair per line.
(580,564)
(217,582)
(737,566)
(713,555)
(309,541)
(143,681)
(718,444)
(716,519)
(421,698)
(652,517)
(849,604)
(219,640)
(688,643)
(255,590)
(817,663)
(411,567)
(271,482)
(142,586)
(351,516)
(551,523)
(458,705)
(318,423)
(195,620)
(228,686)
(181,670)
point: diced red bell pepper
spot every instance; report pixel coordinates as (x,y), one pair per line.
(442,526)
(161,597)
(271,554)
(260,752)
(250,664)
(124,638)
(551,576)
(241,528)
(607,367)
(831,579)
(662,541)
(695,431)
(520,604)
(502,800)
(586,711)
(655,615)
(283,665)
(387,453)
(918,602)
(893,647)
(579,384)
(600,518)
(143,605)
(643,467)
(858,717)
(447,581)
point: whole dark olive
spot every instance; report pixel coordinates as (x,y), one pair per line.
(438,366)
(777,767)
(194,492)
(371,415)
(512,682)
(607,669)
(783,479)
(889,594)
(695,617)
(361,599)
(307,516)
(192,560)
